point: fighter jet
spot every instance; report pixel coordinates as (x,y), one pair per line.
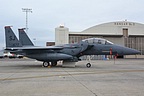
(52,54)
(66,52)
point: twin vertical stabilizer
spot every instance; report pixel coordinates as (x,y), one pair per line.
(12,40)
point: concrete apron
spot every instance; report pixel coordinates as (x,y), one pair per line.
(69,64)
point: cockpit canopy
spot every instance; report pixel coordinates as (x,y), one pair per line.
(97,41)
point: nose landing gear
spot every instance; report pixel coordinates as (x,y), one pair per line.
(88,58)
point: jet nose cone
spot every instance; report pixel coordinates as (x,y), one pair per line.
(137,52)
(121,50)
(132,51)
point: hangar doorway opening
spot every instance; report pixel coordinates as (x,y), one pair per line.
(125,32)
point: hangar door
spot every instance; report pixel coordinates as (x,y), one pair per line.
(125,32)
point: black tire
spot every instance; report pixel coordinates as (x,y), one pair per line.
(88,65)
(54,63)
(45,64)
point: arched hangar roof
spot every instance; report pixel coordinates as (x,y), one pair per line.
(115,28)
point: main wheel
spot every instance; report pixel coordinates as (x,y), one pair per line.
(45,64)
(88,65)
(54,63)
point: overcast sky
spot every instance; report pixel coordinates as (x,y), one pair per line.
(77,15)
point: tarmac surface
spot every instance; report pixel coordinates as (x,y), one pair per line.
(27,77)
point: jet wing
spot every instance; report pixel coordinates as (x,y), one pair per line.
(35,48)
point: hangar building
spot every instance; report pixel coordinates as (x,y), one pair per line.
(130,34)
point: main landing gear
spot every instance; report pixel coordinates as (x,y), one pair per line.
(46,64)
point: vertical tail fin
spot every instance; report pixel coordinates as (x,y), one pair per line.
(24,39)
(11,39)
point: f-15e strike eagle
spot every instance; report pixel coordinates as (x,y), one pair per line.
(66,53)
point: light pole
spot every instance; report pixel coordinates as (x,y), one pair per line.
(27,10)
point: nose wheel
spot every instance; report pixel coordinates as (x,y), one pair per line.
(88,65)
